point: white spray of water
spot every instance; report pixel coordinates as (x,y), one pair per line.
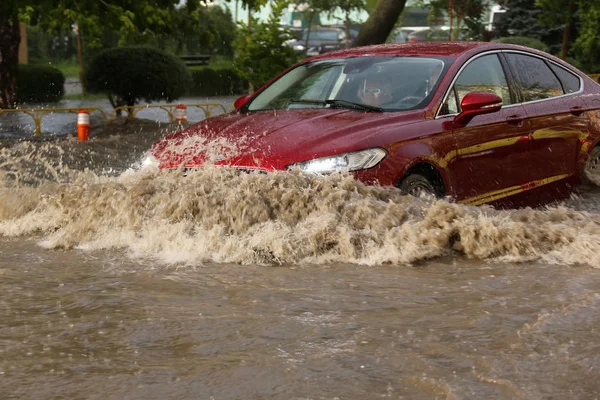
(222,215)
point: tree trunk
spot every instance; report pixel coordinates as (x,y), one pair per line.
(450,15)
(567,33)
(10,38)
(347,26)
(380,23)
(311,15)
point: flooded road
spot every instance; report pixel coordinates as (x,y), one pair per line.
(121,283)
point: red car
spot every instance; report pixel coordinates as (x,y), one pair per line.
(476,122)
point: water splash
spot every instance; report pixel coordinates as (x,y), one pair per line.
(222,215)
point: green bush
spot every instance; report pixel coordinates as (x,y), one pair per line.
(39,84)
(217,82)
(523,41)
(129,74)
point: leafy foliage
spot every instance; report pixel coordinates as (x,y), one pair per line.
(39,84)
(261,49)
(201,30)
(524,41)
(467,16)
(521,19)
(216,82)
(541,19)
(587,46)
(129,74)
(563,14)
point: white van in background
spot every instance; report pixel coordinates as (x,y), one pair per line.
(497,12)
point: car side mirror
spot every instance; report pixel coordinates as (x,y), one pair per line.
(241,101)
(477,103)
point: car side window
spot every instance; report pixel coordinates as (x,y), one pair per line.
(451,105)
(535,78)
(484,74)
(570,81)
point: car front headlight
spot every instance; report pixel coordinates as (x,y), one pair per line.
(363,159)
(150,161)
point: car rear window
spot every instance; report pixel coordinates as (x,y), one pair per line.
(570,81)
(536,79)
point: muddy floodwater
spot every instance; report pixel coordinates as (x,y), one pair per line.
(121,282)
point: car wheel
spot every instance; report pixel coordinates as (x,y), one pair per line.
(417,185)
(591,172)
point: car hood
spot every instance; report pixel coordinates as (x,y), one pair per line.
(271,140)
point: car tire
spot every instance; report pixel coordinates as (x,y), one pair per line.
(591,171)
(417,185)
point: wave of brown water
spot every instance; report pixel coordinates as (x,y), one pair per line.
(162,292)
(221,215)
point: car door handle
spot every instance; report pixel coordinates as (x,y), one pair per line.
(577,110)
(515,119)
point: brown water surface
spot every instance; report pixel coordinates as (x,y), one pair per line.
(125,283)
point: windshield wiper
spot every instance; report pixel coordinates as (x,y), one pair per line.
(339,104)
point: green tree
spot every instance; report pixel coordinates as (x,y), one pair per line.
(463,15)
(523,19)
(562,13)
(587,44)
(261,49)
(127,17)
(129,74)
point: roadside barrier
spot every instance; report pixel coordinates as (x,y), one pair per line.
(39,113)
(171,109)
(176,112)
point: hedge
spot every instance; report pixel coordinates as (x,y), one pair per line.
(39,84)
(523,41)
(130,74)
(217,82)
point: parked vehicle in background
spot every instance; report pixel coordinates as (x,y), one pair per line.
(478,123)
(497,12)
(321,40)
(398,36)
(432,34)
(352,32)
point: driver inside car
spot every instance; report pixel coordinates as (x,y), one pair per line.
(375,92)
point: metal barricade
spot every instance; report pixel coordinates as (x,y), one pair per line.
(132,111)
(39,113)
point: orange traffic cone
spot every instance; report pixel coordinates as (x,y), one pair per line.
(180,113)
(83,124)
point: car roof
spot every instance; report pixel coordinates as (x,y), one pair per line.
(432,48)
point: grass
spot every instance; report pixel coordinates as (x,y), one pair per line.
(216,62)
(70,69)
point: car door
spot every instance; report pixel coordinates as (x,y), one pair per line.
(481,165)
(555,113)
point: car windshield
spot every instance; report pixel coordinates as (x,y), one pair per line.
(388,83)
